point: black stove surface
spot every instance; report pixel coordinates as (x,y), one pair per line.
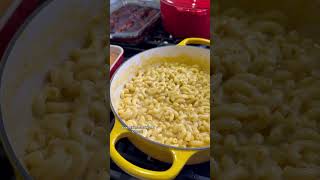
(153,39)
(6,170)
(158,37)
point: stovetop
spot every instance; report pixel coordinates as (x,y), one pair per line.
(155,38)
(158,37)
(191,172)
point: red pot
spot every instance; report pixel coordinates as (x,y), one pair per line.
(186,18)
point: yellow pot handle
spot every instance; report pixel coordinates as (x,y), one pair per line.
(200,41)
(180,158)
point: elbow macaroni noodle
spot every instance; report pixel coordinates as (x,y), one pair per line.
(169,103)
(266,91)
(70,115)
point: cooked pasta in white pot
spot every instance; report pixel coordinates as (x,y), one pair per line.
(266,104)
(69,138)
(169,103)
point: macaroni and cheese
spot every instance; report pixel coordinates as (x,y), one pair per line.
(69,138)
(169,103)
(266,90)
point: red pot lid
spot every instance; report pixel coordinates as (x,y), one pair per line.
(189,4)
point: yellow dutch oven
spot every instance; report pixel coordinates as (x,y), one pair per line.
(170,154)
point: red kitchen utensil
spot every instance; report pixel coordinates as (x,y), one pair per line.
(116,58)
(186,18)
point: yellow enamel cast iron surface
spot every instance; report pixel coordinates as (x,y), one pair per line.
(177,156)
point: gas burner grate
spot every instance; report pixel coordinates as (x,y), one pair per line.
(156,38)
(153,39)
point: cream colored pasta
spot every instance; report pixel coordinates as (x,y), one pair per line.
(97,165)
(70,117)
(169,103)
(265,100)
